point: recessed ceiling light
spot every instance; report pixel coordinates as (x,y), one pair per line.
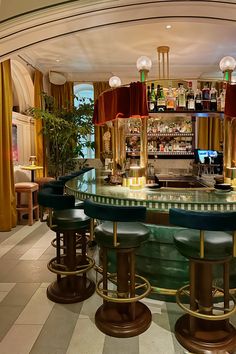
(168,26)
(57,60)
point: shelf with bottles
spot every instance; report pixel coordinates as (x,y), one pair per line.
(170,135)
(170,96)
(171,153)
(170,125)
(170,146)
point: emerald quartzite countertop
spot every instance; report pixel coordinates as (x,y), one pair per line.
(92,185)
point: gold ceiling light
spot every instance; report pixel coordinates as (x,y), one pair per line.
(163,62)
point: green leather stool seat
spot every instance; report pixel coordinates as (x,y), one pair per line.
(79,204)
(49,198)
(130,234)
(218,244)
(114,213)
(70,219)
(203,220)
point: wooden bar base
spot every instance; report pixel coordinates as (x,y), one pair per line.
(68,291)
(116,319)
(216,339)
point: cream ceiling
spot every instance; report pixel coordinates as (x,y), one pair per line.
(107,40)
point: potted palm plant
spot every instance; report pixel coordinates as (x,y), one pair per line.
(66,134)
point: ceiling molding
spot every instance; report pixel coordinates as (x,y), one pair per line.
(48,24)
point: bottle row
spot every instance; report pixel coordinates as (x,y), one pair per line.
(158,126)
(170,144)
(208,98)
(182,126)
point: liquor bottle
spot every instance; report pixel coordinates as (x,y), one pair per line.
(206,97)
(152,101)
(222,98)
(213,98)
(198,100)
(170,99)
(190,104)
(161,100)
(181,97)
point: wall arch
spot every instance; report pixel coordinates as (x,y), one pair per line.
(23,86)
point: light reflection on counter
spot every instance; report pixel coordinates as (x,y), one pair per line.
(92,184)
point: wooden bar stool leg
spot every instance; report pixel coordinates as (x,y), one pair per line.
(18,205)
(104,270)
(36,205)
(72,284)
(122,319)
(30,208)
(132,282)
(193,295)
(205,335)
(123,279)
(58,253)
(226,290)
(207,240)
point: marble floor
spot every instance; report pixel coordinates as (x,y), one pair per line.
(30,323)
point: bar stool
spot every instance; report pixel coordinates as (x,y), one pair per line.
(31,207)
(210,239)
(72,284)
(50,198)
(42,180)
(122,314)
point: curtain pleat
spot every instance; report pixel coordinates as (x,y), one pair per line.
(7,188)
(209,133)
(63,95)
(98,88)
(39,138)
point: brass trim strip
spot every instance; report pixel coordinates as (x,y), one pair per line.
(202,244)
(158,290)
(234,244)
(91,229)
(136,298)
(115,234)
(80,269)
(204,316)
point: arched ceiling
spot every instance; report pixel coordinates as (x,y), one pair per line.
(90,41)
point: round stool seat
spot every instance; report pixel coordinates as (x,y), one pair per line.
(79,204)
(42,180)
(130,234)
(218,244)
(70,219)
(49,199)
(26,186)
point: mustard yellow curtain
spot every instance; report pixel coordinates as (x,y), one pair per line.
(7,188)
(210,133)
(39,138)
(98,88)
(63,95)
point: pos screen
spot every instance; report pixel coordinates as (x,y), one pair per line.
(206,155)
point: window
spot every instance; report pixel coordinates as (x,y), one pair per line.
(85,91)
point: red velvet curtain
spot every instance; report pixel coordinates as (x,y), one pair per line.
(230,101)
(121,102)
